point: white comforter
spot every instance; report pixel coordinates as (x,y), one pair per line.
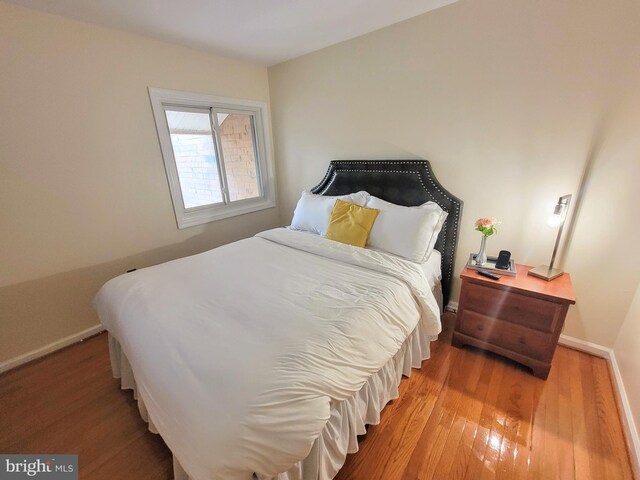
(238,351)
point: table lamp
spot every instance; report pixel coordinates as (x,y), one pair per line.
(547,272)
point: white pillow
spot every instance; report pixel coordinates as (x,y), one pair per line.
(313,211)
(409,232)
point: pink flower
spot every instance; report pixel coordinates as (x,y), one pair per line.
(487,226)
(486,222)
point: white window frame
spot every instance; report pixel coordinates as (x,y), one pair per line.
(188,217)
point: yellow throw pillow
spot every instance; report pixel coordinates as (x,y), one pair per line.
(351,223)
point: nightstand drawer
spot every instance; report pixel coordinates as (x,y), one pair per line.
(512,307)
(516,338)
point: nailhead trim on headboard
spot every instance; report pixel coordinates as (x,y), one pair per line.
(385,173)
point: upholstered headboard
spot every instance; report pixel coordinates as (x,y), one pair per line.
(403,182)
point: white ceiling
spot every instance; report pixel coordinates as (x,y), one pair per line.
(263,31)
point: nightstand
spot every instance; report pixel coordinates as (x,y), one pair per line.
(517,317)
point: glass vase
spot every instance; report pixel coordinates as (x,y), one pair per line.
(481,256)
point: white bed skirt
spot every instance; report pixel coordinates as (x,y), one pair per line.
(348,418)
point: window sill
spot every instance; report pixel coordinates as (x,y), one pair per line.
(205,215)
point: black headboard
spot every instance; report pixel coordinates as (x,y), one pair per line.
(403,182)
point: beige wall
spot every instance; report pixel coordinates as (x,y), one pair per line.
(83,191)
(508,100)
(627,351)
(526,94)
(602,254)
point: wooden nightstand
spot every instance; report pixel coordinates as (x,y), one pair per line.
(517,317)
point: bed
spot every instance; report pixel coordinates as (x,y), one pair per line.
(279,384)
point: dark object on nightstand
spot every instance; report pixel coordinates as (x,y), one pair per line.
(519,317)
(490,275)
(503,260)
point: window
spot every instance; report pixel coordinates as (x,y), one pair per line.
(216,155)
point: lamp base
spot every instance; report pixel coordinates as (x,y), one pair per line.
(545,272)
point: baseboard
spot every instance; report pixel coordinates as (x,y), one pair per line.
(47,349)
(627,418)
(584,346)
(631,433)
(451,307)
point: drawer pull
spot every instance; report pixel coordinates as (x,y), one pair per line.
(523,340)
(480,327)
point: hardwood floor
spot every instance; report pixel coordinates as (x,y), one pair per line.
(464,415)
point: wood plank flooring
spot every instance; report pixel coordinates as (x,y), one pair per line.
(465,415)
